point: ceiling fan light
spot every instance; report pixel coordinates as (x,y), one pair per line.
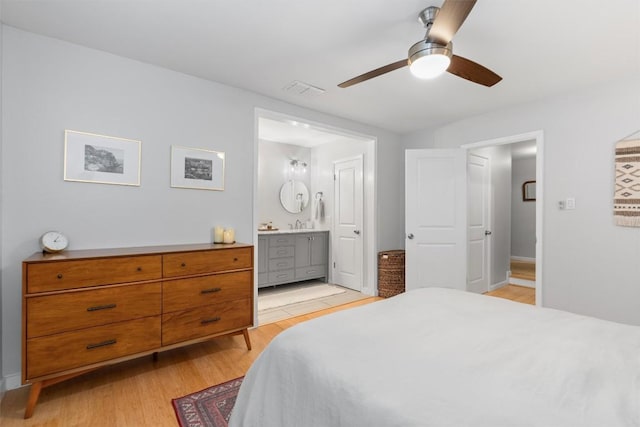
(430,66)
(428,59)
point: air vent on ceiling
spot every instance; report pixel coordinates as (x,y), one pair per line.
(299,88)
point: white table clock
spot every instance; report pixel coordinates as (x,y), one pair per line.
(53,241)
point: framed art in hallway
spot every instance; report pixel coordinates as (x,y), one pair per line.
(101,159)
(529,191)
(197,168)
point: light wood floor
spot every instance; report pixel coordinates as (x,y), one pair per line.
(523,270)
(515,293)
(139,392)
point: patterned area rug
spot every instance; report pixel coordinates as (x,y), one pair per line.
(210,407)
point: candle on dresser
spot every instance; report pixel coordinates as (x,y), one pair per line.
(218,234)
(229,236)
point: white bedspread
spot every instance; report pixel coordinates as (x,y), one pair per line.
(439,357)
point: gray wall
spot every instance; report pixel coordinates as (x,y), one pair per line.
(52,85)
(523,214)
(590,266)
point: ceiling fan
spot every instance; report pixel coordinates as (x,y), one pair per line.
(433,55)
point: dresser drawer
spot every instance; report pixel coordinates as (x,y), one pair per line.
(281,252)
(182,294)
(208,320)
(282,240)
(280,264)
(56,353)
(281,276)
(52,314)
(186,263)
(311,272)
(53,276)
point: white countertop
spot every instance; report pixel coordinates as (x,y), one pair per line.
(294,231)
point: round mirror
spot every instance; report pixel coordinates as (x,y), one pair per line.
(294,196)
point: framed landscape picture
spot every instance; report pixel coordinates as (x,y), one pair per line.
(101,159)
(197,168)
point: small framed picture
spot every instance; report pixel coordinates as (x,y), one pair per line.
(101,159)
(197,168)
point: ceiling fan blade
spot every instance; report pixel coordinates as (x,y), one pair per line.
(469,70)
(374,73)
(450,18)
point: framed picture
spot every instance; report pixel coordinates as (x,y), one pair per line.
(101,159)
(529,191)
(197,168)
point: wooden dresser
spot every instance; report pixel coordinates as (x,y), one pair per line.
(85,309)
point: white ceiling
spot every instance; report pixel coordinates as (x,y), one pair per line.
(541,48)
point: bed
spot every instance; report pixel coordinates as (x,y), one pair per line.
(440,357)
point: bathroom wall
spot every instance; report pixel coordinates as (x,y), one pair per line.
(274,169)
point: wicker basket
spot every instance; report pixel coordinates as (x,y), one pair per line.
(390,273)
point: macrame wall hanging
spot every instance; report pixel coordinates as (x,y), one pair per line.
(626,203)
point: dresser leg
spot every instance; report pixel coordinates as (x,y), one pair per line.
(155,356)
(33,399)
(245,332)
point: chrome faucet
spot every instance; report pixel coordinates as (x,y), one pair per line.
(298,224)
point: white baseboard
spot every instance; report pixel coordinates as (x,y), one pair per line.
(498,285)
(11,381)
(523,259)
(522,282)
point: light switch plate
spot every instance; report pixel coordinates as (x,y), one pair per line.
(571,203)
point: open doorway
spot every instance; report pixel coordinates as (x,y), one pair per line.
(523,214)
(298,247)
(523,248)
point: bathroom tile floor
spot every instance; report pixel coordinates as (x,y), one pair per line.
(296,309)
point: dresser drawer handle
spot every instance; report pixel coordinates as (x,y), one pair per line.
(310,271)
(235,259)
(281,276)
(210,291)
(101,307)
(184,264)
(101,344)
(282,264)
(139,269)
(59,276)
(211,320)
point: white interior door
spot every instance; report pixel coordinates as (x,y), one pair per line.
(479,233)
(436,219)
(348,222)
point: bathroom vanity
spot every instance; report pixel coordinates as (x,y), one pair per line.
(292,256)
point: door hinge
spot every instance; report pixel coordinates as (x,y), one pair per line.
(334,264)
(334,176)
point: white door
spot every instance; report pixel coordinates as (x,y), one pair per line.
(479,233)
(348,221)
(435,209)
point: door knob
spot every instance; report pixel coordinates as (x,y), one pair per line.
(356,231)
(487,232)
(410,236)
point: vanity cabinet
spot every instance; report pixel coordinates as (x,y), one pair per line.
(311,256)
(86,309)
(263,272)
(293,257)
